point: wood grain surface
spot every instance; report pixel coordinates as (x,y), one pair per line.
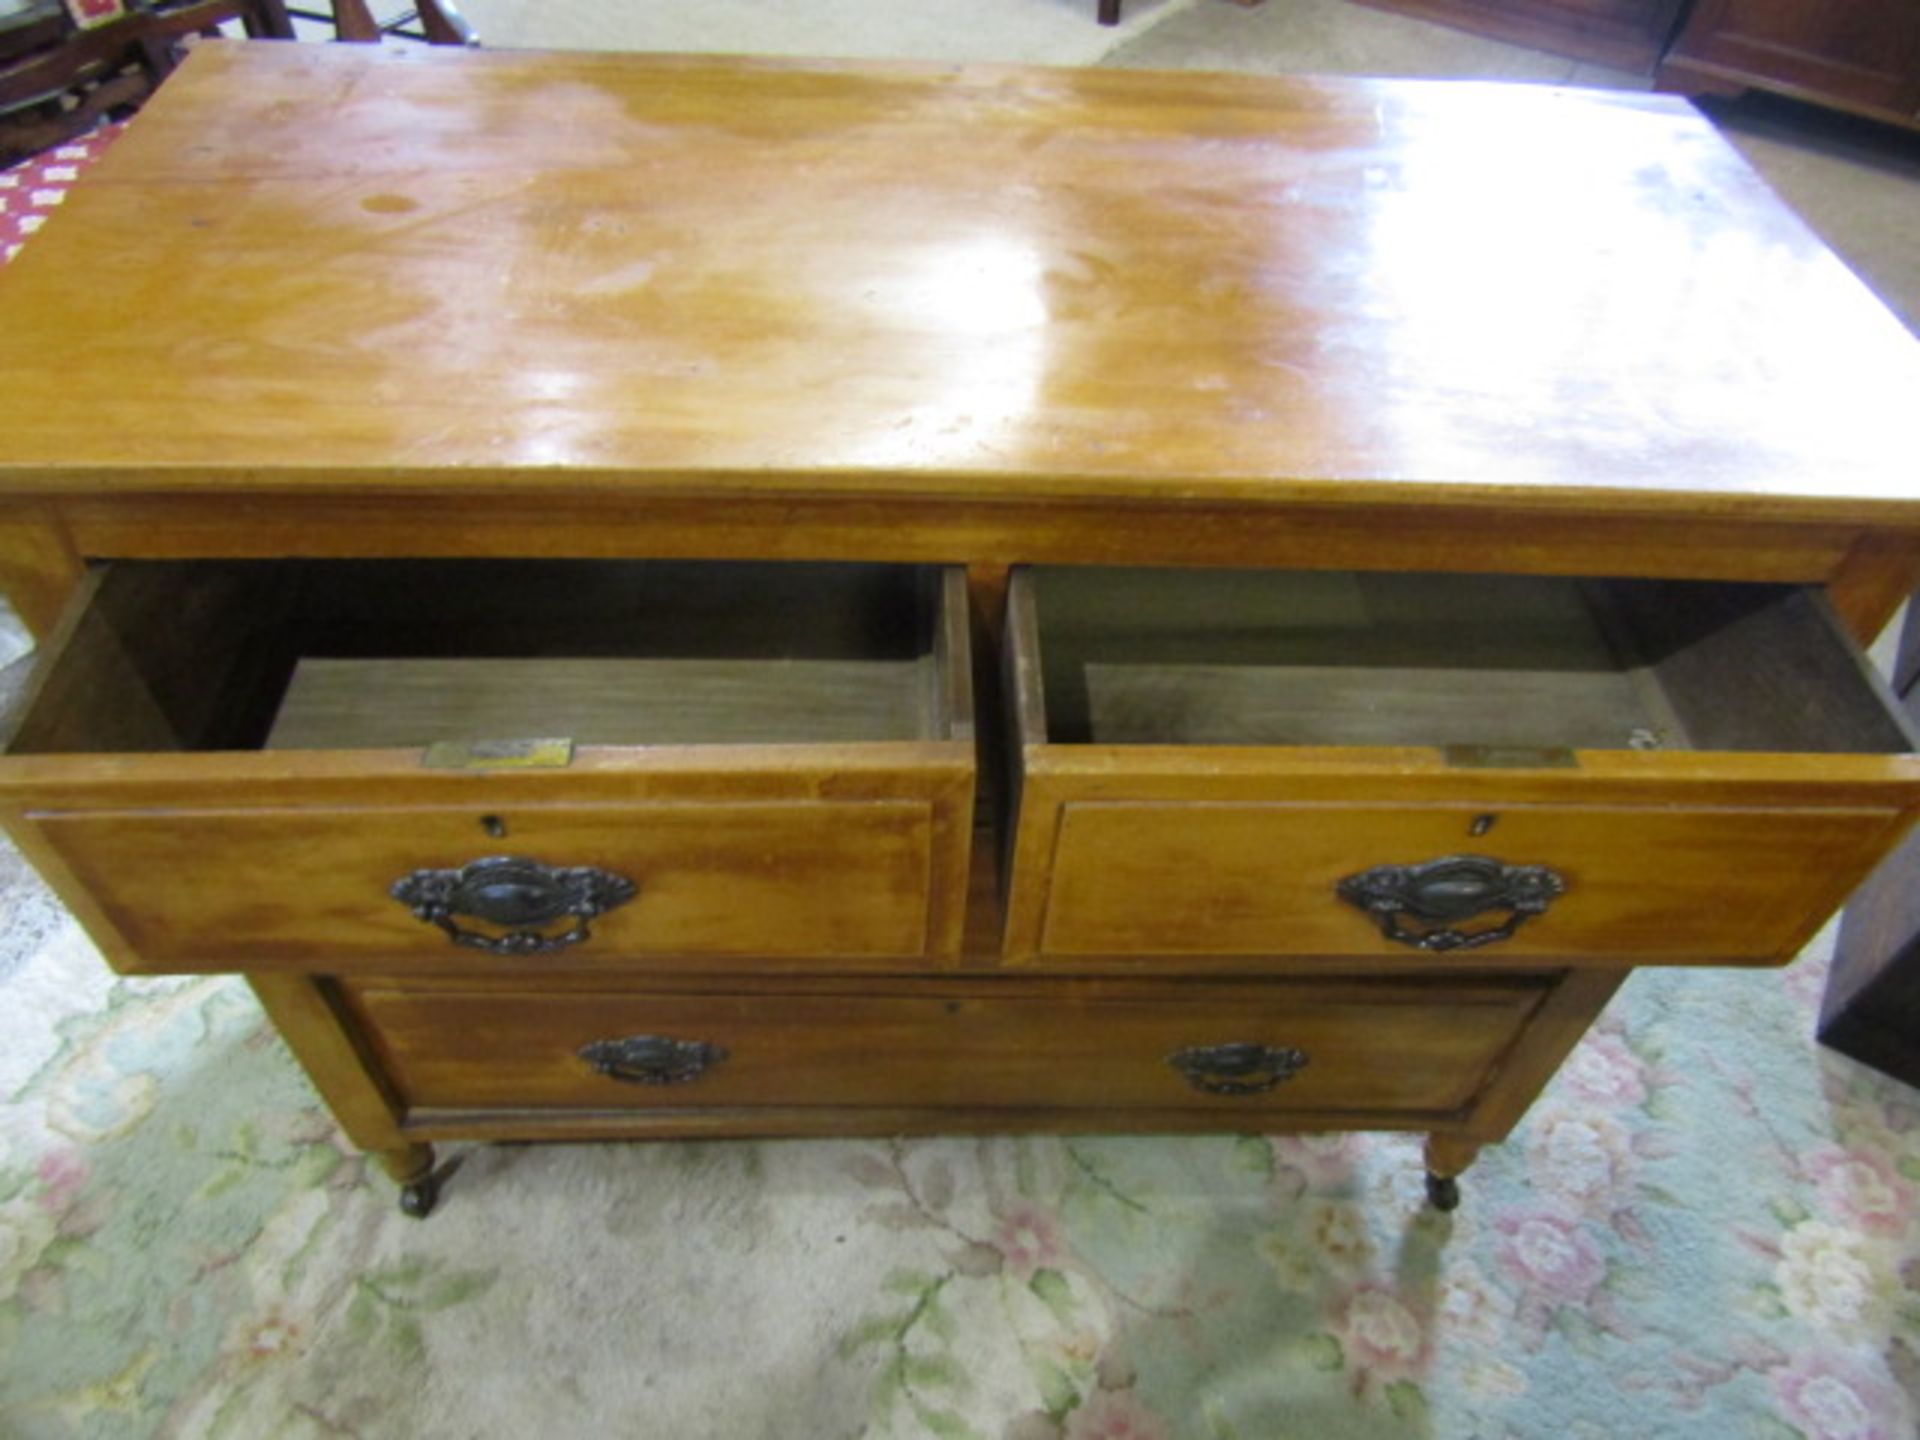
(1727,886)
(265,888)
(1187,657)
(1213,841)
(136,782)
(39,566)
(433,270)
(1419,1050)
(360,704)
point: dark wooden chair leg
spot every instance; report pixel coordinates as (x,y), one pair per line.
(1109,12)
(444,25)
(440,23)
(354,22)
(1873,991)
(268,20)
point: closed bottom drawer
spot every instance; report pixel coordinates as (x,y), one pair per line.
(1361,1049)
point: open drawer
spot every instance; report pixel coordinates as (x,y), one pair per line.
(256,765)
(1231,766)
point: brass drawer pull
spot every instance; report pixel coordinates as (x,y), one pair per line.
(1442,892)
(1242,1068)
(652,1059)
(521,896)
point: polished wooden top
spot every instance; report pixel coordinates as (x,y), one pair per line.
(367,269)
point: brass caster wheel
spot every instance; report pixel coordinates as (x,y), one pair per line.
(418,1198)
(1443,1192)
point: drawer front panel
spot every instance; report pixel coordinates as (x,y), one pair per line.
(240,889)
(1353,1048)
(1265,879)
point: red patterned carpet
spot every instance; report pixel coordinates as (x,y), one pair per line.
(32,190)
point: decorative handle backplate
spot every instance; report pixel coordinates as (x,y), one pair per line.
(522,897)
(653,1059)
(1242,1068)
(1440,893)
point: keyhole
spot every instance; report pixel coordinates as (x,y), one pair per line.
(494,826)
(1481,824)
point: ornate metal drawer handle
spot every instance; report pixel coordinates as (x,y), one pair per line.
(521,896)
(1243,1068)
(652,1059)
(1442,892)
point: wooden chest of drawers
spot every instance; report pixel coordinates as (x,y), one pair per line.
(1093,632)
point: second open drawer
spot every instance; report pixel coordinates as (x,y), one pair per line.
(1223,767)
(310,765)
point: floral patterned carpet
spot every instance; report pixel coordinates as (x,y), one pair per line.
(1706,1229)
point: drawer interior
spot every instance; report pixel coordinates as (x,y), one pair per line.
(402,653)
(1173,657)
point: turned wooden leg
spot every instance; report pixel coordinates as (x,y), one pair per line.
(411,1167)
(1448,1157)
(1573,1004)
(1109,12)
(304,1011)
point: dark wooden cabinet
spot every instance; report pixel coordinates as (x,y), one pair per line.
(1872,1005)
(1627,34)
(1858,55)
